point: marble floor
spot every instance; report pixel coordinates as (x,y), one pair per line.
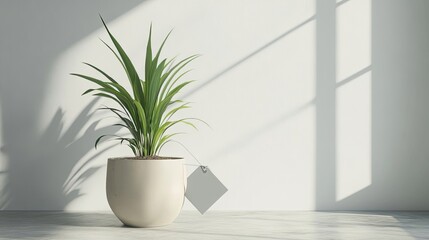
(220,225)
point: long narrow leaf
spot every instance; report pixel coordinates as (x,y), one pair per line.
(148,111)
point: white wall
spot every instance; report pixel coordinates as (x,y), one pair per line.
(312,104)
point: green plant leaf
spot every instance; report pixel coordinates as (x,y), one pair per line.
(146,111)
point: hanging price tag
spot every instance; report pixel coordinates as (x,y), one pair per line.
(204,189)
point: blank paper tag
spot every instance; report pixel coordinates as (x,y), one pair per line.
(204,189)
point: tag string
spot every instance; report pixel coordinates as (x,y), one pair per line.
(204,168)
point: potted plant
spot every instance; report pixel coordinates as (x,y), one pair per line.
(146,190)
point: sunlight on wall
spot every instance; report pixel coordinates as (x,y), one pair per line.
(2,160)
(353,118)
(255,88)
(3,168)
(354,136)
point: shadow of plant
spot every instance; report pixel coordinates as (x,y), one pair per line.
(44,169)
(47,171)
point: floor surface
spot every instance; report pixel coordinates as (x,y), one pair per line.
(220,225)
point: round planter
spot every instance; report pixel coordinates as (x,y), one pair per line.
(145,193)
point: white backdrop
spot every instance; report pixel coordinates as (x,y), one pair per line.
(312,104)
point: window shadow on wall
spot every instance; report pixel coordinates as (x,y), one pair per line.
(39,161)
(399,116)
(399,132)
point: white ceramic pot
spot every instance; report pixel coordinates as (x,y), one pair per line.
(146,193)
